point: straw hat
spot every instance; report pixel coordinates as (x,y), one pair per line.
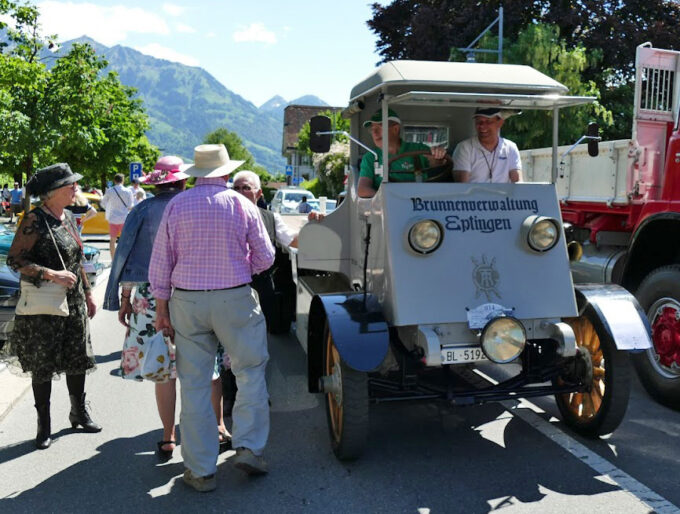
(211,161)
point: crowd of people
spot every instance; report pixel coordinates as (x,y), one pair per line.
(194,264)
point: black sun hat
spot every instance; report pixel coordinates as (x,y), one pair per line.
(51,177)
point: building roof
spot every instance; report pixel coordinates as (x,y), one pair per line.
(294,117)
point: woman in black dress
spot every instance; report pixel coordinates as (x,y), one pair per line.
(45,346)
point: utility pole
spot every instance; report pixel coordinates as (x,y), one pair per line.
(470,52)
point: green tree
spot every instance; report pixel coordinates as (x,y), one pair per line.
(541,47)
(428,29)
(237,151)
(72,113)
(105,137)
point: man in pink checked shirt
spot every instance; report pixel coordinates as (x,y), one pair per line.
(209,244)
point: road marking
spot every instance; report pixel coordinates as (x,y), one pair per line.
(527,413)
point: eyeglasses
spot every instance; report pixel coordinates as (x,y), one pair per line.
(243,188)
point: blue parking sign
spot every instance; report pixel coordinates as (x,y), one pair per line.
(135,171)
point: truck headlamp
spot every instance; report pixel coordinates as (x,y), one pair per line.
(425,236)
(541,233)
(503,339)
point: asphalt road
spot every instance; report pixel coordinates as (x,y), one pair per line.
(515,457)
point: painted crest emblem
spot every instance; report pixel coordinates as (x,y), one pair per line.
(485,277)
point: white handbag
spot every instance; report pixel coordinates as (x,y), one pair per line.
(156,359)
(49,298)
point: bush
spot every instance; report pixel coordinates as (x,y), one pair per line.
(315,186)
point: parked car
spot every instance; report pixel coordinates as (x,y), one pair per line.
(9,295)
(96,225)
(316,205)
(286,200)
(91,263)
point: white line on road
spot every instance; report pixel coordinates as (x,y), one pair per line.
(627,483)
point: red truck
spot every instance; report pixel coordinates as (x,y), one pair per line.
(622,213)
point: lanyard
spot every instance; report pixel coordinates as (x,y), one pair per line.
(493,161)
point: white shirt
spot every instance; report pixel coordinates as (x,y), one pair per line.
(284,234)
(132,189)
(117,201)
(486,166)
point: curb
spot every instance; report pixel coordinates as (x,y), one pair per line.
(13,389)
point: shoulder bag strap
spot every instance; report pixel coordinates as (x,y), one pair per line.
(119,197)
(55,242)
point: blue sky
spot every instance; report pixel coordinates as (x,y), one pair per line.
(256,48)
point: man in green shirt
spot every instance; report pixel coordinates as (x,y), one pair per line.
(401,170)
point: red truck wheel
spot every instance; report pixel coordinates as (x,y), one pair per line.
(600,409)
(346,404)
(659,368)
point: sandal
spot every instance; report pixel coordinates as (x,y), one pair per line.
(164,455)
(225,442)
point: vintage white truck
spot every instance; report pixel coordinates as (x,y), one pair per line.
(397,293)
(622,211)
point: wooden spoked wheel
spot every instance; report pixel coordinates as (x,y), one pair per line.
(346,403)
(600,407)
(586,405)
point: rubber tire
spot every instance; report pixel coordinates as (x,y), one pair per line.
(355,422)
(659,283)
(617,387)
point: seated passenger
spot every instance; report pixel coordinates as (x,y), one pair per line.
(487,157)
(402,170)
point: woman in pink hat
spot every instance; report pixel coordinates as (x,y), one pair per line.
(129,270)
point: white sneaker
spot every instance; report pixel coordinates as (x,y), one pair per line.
(201,484)
(252,464)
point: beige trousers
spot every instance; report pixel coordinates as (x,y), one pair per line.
(234,318)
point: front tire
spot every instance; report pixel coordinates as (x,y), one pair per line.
(600,409)
(347,405)
(659,367)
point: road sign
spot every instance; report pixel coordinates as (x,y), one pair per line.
(289,170)
(135,170)
(296,181)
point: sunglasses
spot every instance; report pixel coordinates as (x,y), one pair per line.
(242,188)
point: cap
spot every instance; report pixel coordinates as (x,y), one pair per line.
(377,117)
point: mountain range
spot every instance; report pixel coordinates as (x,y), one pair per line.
(185,103)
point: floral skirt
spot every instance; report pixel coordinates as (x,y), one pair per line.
(141,330)
(42,347)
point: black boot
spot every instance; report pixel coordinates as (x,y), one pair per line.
(80,416)
(43,438)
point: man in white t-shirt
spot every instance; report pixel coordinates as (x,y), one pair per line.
(487,157)
(117,201)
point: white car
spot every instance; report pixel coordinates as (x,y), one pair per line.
(286,200)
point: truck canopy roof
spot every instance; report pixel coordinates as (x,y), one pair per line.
(457,83)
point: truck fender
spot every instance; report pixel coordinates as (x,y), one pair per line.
(619,313)
(358,328)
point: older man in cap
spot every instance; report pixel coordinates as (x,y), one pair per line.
(210,242)
(405,169)
(487,157)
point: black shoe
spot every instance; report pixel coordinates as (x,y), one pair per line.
(43,438)
(164,455)
(225,442)
(80,416)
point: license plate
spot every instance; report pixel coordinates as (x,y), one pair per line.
(461,355)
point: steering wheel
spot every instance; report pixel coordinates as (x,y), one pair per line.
(441,173)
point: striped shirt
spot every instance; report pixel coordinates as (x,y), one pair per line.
(209,238)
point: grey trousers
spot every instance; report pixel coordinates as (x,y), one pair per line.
(200,319)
